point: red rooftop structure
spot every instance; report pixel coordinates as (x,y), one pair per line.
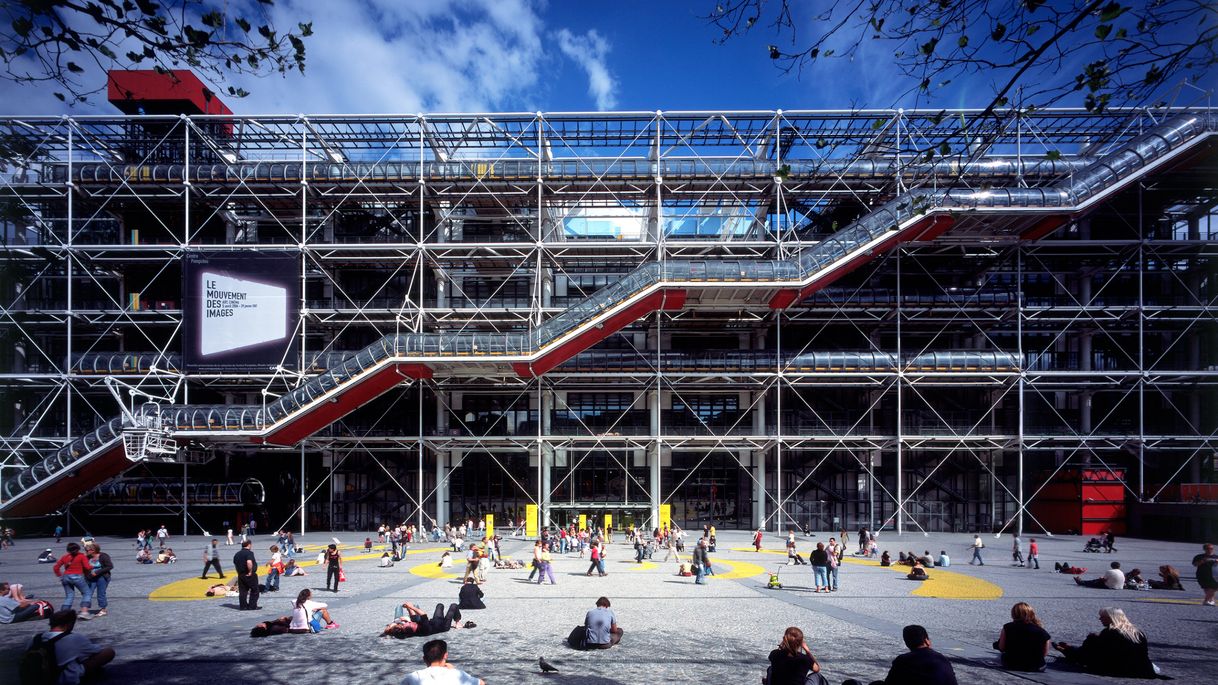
(147,91)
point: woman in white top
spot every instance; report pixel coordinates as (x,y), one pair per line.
(305,609)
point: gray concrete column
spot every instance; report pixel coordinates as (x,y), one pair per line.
(546,464)
(443,460)
(653,482)
(758,457)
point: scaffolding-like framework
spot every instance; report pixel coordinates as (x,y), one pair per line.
(939,385)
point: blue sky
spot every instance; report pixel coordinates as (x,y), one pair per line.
(406,56)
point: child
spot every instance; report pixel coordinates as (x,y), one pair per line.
(386,560)
(367,544)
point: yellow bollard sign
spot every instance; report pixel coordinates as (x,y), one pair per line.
(665,516)
(490,526)
(608,522)
(583,522)
(530,521)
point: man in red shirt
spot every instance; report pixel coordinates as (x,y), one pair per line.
(1033,554)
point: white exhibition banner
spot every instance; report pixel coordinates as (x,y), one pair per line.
(237,313)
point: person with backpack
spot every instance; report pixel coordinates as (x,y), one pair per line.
(98,577)
(71,570)
(61,656)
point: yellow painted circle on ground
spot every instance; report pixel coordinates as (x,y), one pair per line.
(735,569)
(639,566)
(194,589)
(431,569)
(943,584)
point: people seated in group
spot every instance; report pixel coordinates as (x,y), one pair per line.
(792,661)
(943,559)
(291,569)
(386,560)
(470,596)
(1023,642)
(16,607)
(411,621)
(684,569)
(885,559)
(509,564)
(309,616)
(1113,578)
(46,557)
(600,629)
(927,559)
(921,665)
(144,556)
(438,669)
(1094,545)
(277,626)
(1169,579)
(1062,567)
(76,655)
(166,556)
(918,572)
(1119,649)
(902,558)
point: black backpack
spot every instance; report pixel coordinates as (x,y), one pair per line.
(39,665)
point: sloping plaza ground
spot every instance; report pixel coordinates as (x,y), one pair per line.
(165,631)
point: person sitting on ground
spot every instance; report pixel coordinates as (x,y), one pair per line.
(438,670)
(46,557)
(291,569)
(76,655)
(277,626)
(791,663)
(902,559)
(683,569)
(308,614)
(1170,579)
(470,596)
(166,556)
(386,560)
(1135,581)
(15,607)
(1118,650)
(1023,642)
(144,556)
(885,559)
(446,559)
(601,630)
(927,559)
(411,621)
(943,559)
(920,666)
(1113,579)
(1062,567)
(918,572)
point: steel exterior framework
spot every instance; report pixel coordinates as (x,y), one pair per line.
(939,386)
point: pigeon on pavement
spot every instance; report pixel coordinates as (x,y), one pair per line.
(546,667)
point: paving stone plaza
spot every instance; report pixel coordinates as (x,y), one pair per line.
(166,631)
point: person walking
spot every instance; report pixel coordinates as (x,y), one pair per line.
(71,570)
(1017,551)
(246,566)
(58,534)
(229,539)
(547,567)
(835,561)
(98,576)
(471,563)
(864,540)
(211,557)
(700,562)
(977,546)
(334,566)
(1206,564)
(274,569)
(757,540)
(1033,554)
(162,536)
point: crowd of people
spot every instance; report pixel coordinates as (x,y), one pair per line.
(1118,648)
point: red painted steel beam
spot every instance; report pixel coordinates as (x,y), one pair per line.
(664,300)
(48,497)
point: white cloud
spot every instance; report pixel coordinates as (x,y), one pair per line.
(589,51)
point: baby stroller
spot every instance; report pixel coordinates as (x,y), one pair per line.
(774,583)
(1094,546)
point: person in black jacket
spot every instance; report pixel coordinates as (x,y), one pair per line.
(791,663)
(470,596)
(920,666)
(1023,642)
(1119,649)
(98,576)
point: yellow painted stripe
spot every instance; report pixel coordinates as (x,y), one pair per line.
(735,569)
(943,584)
(193,589)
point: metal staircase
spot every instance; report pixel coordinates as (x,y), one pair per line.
(916,215)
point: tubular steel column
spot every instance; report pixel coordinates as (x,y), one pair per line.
(302,488)
(1019,440)
(900,512)
(780,513)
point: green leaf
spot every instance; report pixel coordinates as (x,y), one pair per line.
(1122,33)
(148,7)
(242,24)
(1153,75)
(945,149)
(928,47)
(998,32)
(1053,155)
(1111,11)
(213,19)
(1103,30)
(106,51)
(1033,28)
(1033,4)
(938,118)
(60,96)
(774,53)
(306,30)
(962,42)
(75,68)
(135,57)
